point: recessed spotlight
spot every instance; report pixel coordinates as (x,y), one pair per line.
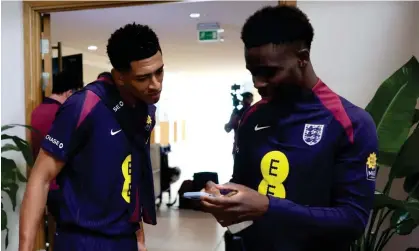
(194,15)
(220,30)
(92,48)
(221,39)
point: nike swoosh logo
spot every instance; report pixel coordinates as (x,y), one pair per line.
(116,132)
(257,128)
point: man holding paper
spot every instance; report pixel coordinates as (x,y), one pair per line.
(305,160)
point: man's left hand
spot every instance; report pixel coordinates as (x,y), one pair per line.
(246,204)
(141,238)
(141,246)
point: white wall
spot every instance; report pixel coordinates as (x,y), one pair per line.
(358,44)
(12,97)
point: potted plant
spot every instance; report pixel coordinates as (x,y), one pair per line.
(394,111)
(10,173)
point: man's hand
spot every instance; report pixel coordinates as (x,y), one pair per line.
(246,204)
(211,188)
(141,238)
(141,246)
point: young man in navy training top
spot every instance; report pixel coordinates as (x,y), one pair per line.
(305,164)
(99,148)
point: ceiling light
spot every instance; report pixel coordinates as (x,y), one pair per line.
(195,15)
(221,39)
(220,30)
(92,48)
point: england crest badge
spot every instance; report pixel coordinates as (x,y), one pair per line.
(312,134)
(148,123)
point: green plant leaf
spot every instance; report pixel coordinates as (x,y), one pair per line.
(7,127)
(23,146)
(407,161)
(9,147)
(411,185)
(402,222)
(6,241)
(3,220)
(26,150)
(392,109)
(4,224)
(415,117)
(11,190)
(21,177)
(8,173)
(381,201)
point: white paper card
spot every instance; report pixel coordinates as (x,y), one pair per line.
(239,226)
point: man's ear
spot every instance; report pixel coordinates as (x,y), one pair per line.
(303,57)
(117,77)
(68,93)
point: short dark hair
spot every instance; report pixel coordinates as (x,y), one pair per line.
(277,25)
(104,74)
(66,81)
(130,43)
(246,95)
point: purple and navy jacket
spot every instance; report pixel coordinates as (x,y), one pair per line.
(104,191)
(315,158)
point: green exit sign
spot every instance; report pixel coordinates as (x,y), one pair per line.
(208,36)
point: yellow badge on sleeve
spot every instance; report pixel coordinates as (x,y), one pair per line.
(371,166)
(148,123)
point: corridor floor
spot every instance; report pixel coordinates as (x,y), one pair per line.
(184,230)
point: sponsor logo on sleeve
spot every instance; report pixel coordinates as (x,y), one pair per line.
(118,106)
(54,141)
(371,167)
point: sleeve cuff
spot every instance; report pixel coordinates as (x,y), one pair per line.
(54,154)
(275,207)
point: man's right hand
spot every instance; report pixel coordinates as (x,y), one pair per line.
(212,188)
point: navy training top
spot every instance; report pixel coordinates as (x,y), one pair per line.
(96,179)
(315,157)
